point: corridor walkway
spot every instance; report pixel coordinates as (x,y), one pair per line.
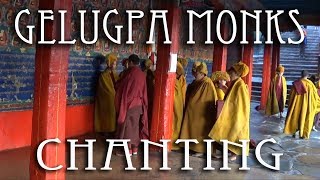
(301,159)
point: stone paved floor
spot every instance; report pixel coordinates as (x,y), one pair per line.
(301,159)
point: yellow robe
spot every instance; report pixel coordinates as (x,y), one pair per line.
(199,113)
(272,103)
(220,93)
(301,110)
(233,122)
(178,113)
(183,83)
(105,112)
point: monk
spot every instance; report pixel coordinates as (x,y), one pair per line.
(317,117)
(150,85)
(178,106)
(125,65)
(182,79)
(303,106)
(198,117)
(105,112)
(131,104)
(233,121)
(219,80)
(316,82)
(277,94)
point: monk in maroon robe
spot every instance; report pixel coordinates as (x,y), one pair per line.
(131,103)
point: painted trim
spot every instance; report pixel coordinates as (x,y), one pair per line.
(16,126)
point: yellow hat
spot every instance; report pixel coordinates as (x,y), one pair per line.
(241,69)
(180,70)
(220,75)
(200,67)
(111,58)
(184,62)
(148,63)
(280,69)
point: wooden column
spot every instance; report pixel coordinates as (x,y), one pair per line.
(220,50)
(49,108)
(275,58)
(247,58)
(266,75)
(161,125)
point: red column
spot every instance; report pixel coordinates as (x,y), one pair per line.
(220,51)
(266,75)
(275,58)
(247,58)
(51,73)
(161,126)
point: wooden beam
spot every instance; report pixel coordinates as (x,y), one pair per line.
(220,51)
(247,58)
(162,116)
(49,109)
(275,58)
(266,75)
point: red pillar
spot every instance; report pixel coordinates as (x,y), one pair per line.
(161,126)
(275,58)
(266,75)
(247,58)
(51,73)
(220,51)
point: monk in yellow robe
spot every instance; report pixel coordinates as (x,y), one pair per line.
(316,126)
(303,106)
(233,121)
(105,112)
(220,80)
(178,106)
(199,112)
(182,79)
(150,85)
(277,94)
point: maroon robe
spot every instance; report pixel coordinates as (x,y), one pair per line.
(299,87)
(131,103)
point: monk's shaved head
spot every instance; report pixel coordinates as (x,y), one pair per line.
(134,59)
(304,74)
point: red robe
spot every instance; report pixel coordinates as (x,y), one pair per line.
(299,87)
(131,92)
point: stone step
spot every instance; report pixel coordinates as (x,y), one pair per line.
(291,67)
(290,58)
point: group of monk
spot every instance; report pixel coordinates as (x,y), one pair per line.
(303,104)
(121,105)
(216,107)
(204,109)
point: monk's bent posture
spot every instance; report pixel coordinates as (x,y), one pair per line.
(219,80)
(105,112)
(277,94)
(132,105)
(199,112)
(233,121)
(178,106)
(303,106)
